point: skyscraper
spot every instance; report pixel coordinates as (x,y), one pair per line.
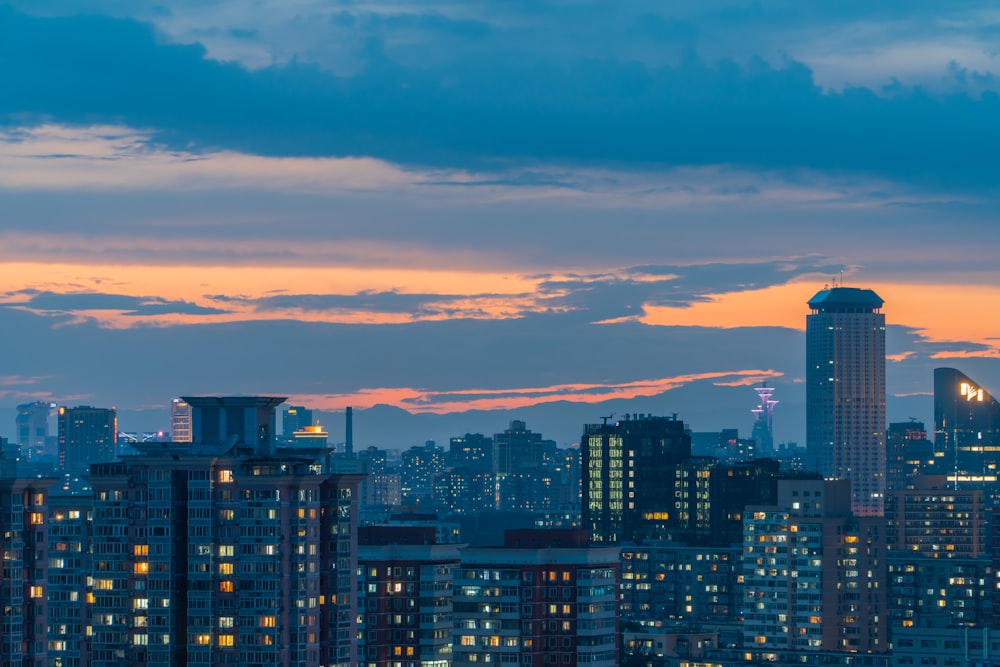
(845,392)
(966,426)
(86,435)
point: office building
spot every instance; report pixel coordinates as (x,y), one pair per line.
(543,598)
(405,597)
(845,392)
(966,428)
(813,573)
(624,466)
(86,435)
(180,420)
(225,550)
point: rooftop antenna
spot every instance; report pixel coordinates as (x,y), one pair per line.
(611,416)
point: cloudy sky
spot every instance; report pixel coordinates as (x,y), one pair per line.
(488,204)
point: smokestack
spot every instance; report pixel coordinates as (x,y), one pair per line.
(349,436)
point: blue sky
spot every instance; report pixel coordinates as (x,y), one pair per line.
(450,206)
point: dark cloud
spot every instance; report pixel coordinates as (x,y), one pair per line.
(492,106)
(129,305)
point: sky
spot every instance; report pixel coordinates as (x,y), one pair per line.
(490,205)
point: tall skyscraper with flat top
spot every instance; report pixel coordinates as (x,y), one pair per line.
(845,392)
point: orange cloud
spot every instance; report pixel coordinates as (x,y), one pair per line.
(441,402)
(949,313)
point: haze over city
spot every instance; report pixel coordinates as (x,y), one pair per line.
(488,206)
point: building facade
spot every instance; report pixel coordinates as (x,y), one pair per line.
(223,551)
(405,597)
(624,465)
(24,584)
(814,574)
(845,392)
(544,598)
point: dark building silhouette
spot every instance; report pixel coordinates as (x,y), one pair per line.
(845,392)
(473,451)
(32,423)
(295,418)
(627,467)
(763,422)
(909,453)
(966,427)
(86,435)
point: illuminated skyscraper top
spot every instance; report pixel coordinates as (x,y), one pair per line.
(845,392)
(966,427)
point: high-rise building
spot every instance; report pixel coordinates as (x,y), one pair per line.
(86,435)
(544,598)
(966,427)
(70,568)
(24,574)
(225,550)
(32,424)
(405,596)
(627,467)
(845,392)
(180,420)
(813,574)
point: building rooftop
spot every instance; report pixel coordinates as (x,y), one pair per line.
(845,298)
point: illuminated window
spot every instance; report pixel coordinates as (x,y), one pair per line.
(140,550)
(226,587)
(36,592)
(140,567)
(267,621)
(203,640)
(225,476)
(226,640)
(225,568)
(226,622)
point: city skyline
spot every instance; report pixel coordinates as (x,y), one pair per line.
(474,206)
